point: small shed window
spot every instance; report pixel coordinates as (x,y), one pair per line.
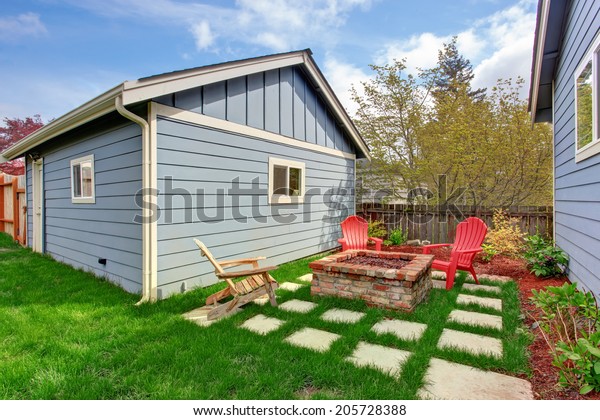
(286,181)
(82,180)
(587,101)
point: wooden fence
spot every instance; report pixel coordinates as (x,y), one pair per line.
(439,226)
(13,207)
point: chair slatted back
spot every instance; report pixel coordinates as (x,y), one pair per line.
(356,232)
(470,234)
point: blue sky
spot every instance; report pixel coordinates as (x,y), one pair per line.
(57,54)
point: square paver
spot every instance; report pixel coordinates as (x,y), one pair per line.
(385,359)
(453,381)
(342,316)
(404,330)
(476,318)
(296,305)
(471,343)
(313,339)
(475,287)
(441,275)
(199,315)
(307,278)
(261,324)
(439,284)
(481,301)
(292,287)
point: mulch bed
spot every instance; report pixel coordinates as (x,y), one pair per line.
(378,262)
(544,378)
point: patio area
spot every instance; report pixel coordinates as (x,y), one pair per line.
(395,344)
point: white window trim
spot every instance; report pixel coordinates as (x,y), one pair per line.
(593,55)
(286,199)
(83,200)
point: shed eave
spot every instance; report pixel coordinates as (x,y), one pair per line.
(95,108)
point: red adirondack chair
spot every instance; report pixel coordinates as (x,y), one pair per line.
(356,234)
(470,234)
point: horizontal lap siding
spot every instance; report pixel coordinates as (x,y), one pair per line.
(80,234)
(201,161)
(577,185)
(282,101)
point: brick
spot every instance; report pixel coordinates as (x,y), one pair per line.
(315,289)
(381,287)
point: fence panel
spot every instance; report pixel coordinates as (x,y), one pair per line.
(13,206)
(429,223)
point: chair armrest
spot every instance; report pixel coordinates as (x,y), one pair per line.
(342,241)
(241,261)
(376,240)
(426,248)
(468,251)
(245,273)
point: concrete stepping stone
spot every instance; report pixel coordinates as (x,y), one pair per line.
(199,315)
(296,305)
(262,325)
(342,316)
(313,339)
(440,275)
(491,277)
(452,381)
(476,318)
(292,287)
(439,284)
(404,330)
(307,278)
(471,343)
(481,301)
(385,359)
(483,287)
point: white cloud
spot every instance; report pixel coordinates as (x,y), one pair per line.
(24,25)
(203,35)
(342,77)
(498,46)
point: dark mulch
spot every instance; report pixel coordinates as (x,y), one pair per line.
(544,377)
(378,262)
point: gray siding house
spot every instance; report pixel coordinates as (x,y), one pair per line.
(253,157)
(565,90)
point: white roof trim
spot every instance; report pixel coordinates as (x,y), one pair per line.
(87,112)
(156,86)
(539,56)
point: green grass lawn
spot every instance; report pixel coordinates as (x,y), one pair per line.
(65,334)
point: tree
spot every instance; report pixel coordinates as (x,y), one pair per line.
(421,127)
(14,130)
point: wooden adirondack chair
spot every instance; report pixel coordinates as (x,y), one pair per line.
(356,234)
(257,282)
(470,234)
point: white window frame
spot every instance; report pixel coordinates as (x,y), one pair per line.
(282,198)
(593,55)
(83,199)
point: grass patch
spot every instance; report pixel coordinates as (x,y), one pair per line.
(65,334)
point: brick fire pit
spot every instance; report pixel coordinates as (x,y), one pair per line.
(346,275)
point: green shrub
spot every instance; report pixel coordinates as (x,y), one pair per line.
(396,237)
(488,252)
(570,325)
(543,258)
(377,229)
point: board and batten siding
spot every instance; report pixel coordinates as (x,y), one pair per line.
(198,170)
(577,185)
(281,101)
(80,234)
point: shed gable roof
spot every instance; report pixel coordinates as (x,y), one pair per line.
(146,88)
(548,38)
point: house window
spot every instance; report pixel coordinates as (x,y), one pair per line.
(82,180)
(587,94)
(286,181)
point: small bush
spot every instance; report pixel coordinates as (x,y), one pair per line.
(543,258)
(397,237)
(488,252)
(570,325)
(505,237)
(377,229)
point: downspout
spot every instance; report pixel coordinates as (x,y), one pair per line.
(148,289)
